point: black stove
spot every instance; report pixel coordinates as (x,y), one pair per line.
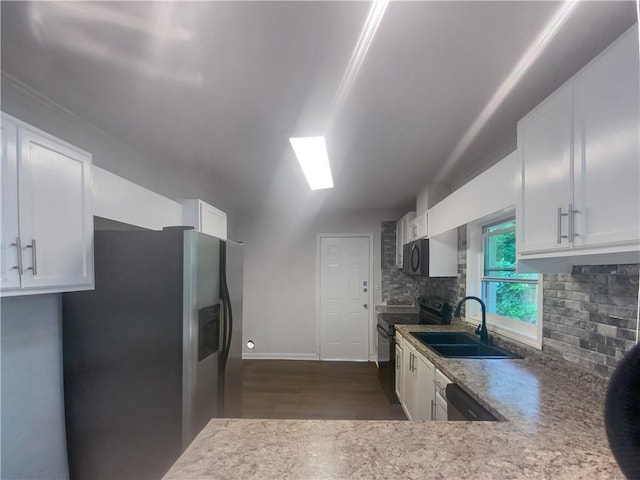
(432,311)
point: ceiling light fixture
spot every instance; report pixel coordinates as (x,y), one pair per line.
(313,158)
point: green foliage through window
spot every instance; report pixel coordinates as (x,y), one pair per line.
(505,292)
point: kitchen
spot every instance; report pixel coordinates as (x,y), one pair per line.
(280,276)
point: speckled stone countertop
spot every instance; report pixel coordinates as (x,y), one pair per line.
(553,429)
(397,309)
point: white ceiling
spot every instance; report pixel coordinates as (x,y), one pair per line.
(213,90)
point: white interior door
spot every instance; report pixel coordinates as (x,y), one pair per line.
(344,298)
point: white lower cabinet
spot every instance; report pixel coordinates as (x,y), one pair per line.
(440,382)
(399,360)
(417,384)
(47,219)
(420,386)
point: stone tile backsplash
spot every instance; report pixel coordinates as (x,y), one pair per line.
(589,316)
(397,287)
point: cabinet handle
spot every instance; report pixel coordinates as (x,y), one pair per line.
(397,361)
(34,268)
(560,215)
(433,415)
(571,214)
(18,246)
(410,362)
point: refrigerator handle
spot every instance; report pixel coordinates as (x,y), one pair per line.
(227,331)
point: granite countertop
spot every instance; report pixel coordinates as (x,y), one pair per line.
(397,309)
(553,428)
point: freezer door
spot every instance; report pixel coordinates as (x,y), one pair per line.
(201,323)
(232,376)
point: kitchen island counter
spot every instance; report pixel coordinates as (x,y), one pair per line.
(553,428)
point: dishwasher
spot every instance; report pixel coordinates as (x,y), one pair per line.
(461,406)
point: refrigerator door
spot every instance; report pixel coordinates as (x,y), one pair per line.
(122,352)
(231,377)
(201,323)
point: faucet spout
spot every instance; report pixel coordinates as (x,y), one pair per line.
(482,328)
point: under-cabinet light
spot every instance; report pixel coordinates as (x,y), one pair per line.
(313,158)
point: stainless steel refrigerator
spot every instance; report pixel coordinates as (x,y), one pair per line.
(153,353)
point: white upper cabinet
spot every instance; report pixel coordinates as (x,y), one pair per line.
(204,218)
(607,147)
(579,152)
(544,145)
(9,197)
(47,186)
(403,230)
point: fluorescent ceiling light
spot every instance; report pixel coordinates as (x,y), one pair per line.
(313,158)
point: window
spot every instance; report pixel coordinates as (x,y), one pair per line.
(513,299)
(505,292)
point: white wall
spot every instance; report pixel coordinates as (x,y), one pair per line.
(32,408)
(118,199)
(280,275)
(493,190)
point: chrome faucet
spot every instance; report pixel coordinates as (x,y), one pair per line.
(482,328)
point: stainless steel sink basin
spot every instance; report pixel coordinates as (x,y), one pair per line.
(461,345)
(445,338)
(473,351)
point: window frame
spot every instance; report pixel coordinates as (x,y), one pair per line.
(517,330)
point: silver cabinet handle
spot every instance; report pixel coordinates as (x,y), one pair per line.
(433,414)
(34,260)
(560,215)
(571,214)
(18,246)
(397,361)
(410,362)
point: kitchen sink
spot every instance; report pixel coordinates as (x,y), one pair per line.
(473,351)
(461,345)
(445,338)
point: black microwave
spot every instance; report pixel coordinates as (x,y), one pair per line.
(415,257)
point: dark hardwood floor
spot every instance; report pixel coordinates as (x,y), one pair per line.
(314,390)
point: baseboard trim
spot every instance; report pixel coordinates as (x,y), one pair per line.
(279,356)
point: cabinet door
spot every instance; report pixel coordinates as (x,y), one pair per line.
(399,371)
(408,382)
(607,169)
(400,234)
(213,221)
(545,150)
(412,230)
(425,389)
(440,408)
(56,223)
(10,275)
(421,224)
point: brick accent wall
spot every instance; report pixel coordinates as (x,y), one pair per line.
(590,316)
(397,287)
